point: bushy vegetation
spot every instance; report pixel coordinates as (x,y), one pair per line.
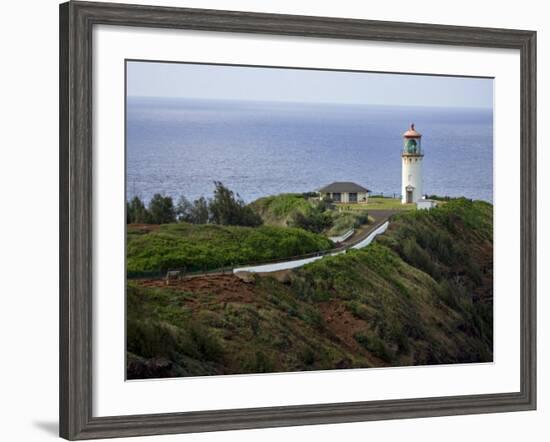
(157,337)
(194,213)
(439,198)
(159,211)
(276,332)
(317,218)
(420,294)
(307,212)
(343,221)
(205,247)
(276,210)
(224,208)
(429,278)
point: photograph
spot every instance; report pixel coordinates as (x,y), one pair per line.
(282,219)
(290,220)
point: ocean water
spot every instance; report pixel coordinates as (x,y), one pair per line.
(180,146)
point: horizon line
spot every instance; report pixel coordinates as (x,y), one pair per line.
(311,102)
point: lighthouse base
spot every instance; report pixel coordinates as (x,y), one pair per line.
(411,190)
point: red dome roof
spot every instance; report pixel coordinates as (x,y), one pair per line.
(412,133)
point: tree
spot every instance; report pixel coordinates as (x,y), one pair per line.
(199,211)
(184,210)
(161,209)
(136,212)
(194,213)
(249,217)
(226,208)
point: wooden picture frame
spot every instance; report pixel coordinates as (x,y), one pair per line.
(76,243)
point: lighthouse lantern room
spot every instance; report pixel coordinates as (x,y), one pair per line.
(411,156)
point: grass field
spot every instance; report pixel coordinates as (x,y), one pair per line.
(378,203)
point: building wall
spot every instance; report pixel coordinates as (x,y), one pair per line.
(425,204)
(345,197)
(411,176)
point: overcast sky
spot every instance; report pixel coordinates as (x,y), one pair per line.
(150,79)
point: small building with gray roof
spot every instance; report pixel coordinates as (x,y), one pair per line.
(345,192)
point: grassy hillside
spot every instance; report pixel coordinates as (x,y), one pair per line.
(198,247)
(276,210)
(420,294)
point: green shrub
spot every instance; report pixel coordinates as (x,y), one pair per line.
(206,342)
(358,310)
(257,362)
(314,221)
(204,247)
(374,345)
(152,338)
(361,218)
(308,356)
(418,257)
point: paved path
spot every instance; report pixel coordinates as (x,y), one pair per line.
(362,238)
(379,216)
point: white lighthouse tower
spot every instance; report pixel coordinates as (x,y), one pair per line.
(411,156)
